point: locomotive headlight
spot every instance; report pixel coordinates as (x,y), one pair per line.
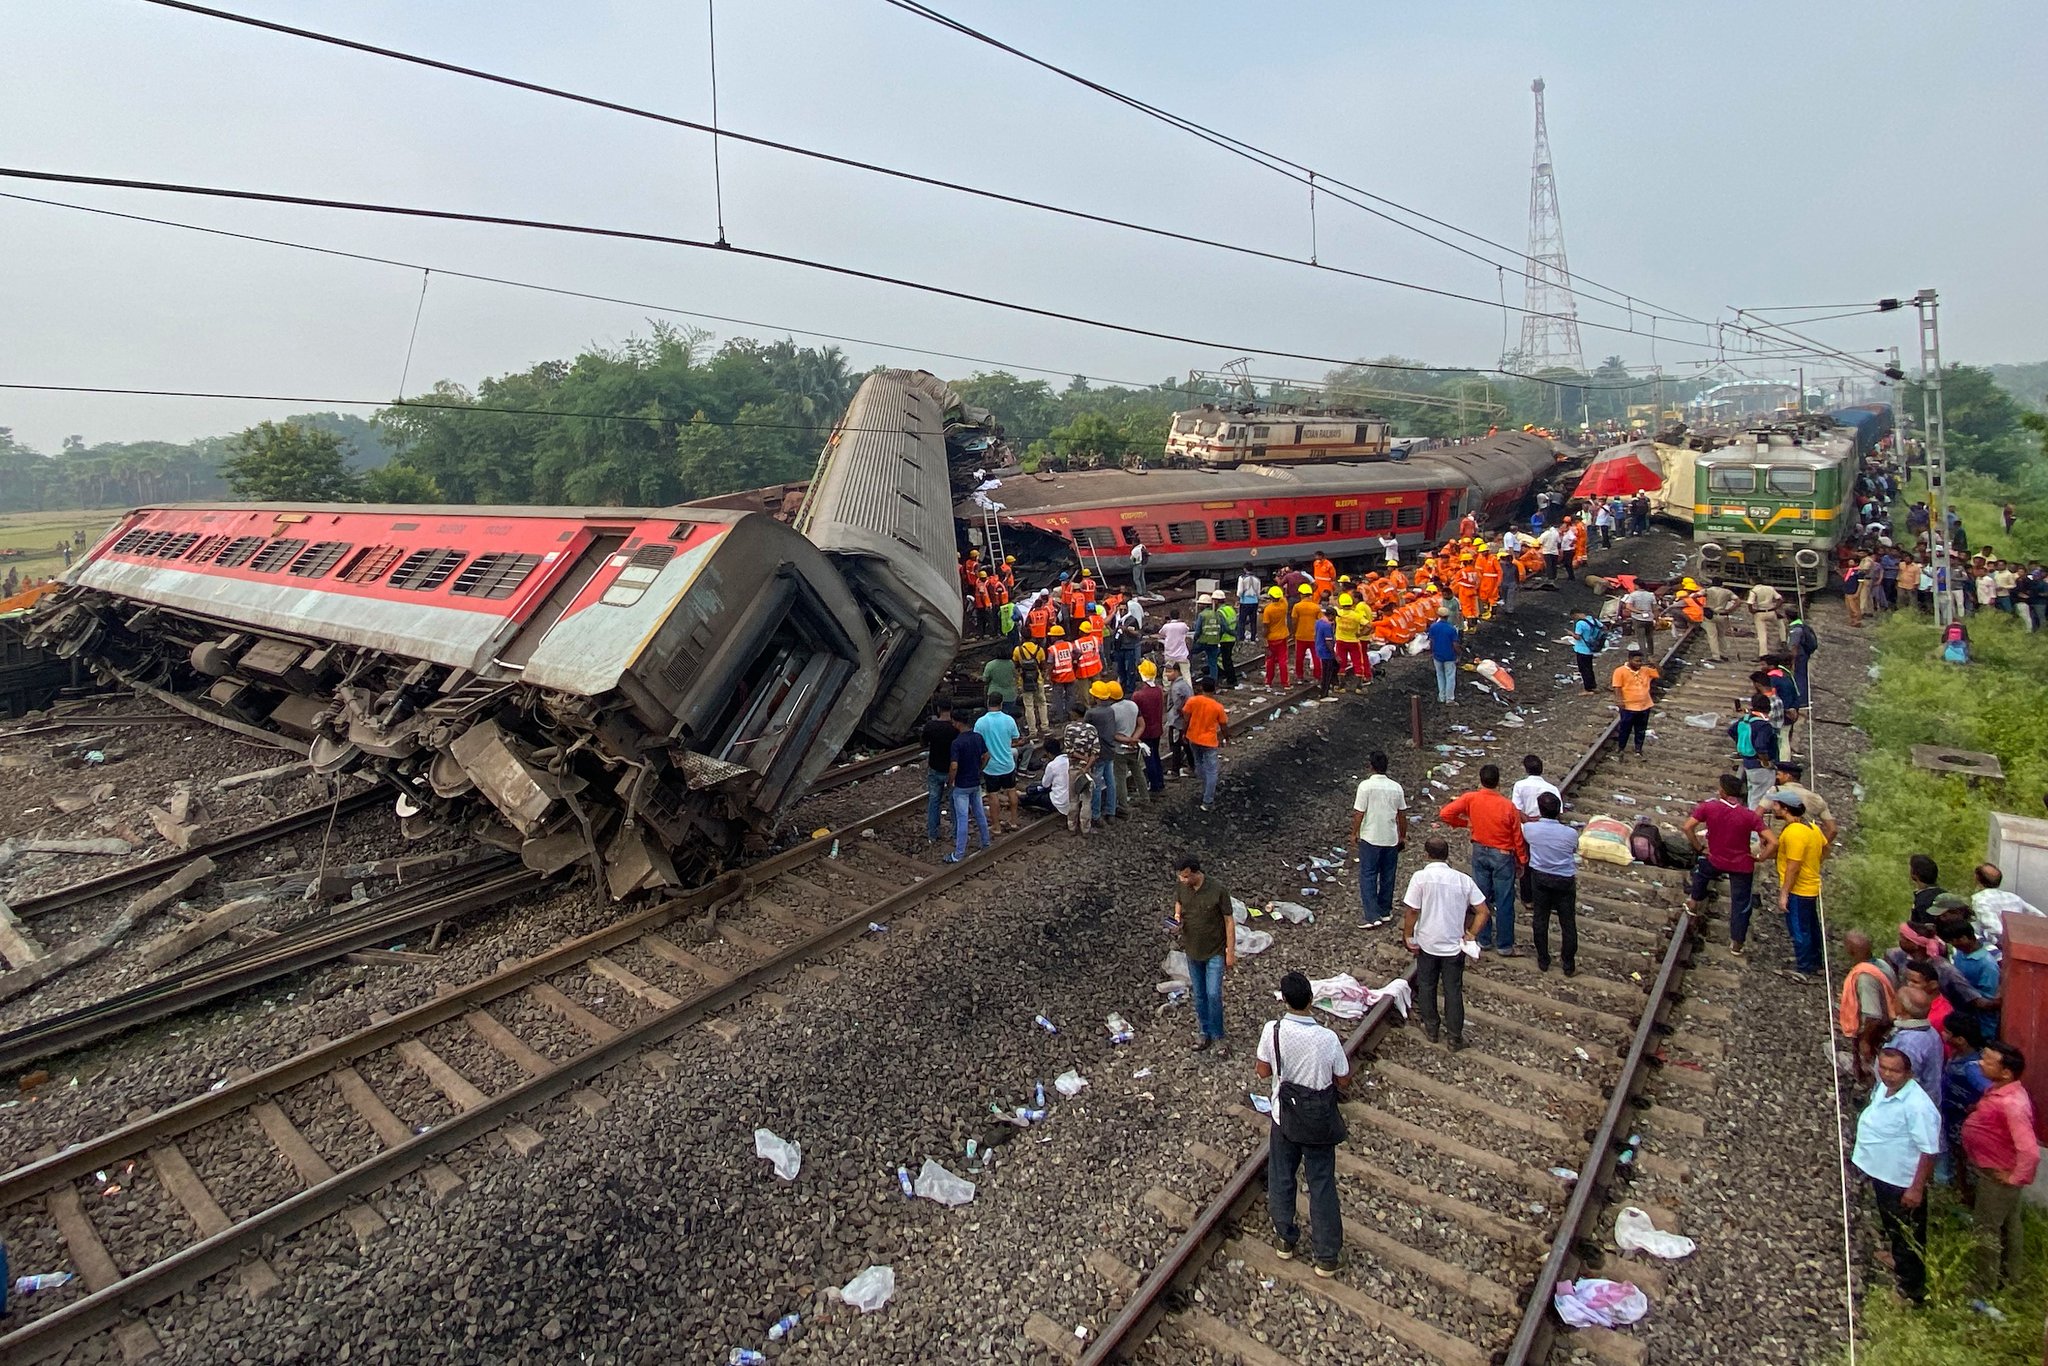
(1711,552)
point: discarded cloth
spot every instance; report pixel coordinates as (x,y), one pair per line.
(1634,1229)
(1593,1303)
(1253,941)
(1605,840)
(787,1157)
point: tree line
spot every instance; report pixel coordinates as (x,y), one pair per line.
(670,417)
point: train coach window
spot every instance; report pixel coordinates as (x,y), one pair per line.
(238,553)
(1094,538)
(209,547)
(1790,481)
(1379,519)
(1231,530)
(1731,479)
(426,570)
(1408,517)
(320,557)
(1275,528)
(276,555)
(1147,532)
(1188,533)
(1310,524)
(132,542)
(494,576)
(1348,521)
(172,547)
(640,571)
(368,564)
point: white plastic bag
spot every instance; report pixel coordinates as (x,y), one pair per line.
(870,1290)
(936,1183)
(1634,1229)
(1705,720)
(787,1157)
(1070,1083)
(1292,912)
(1253,941)
(1175,964)
(1239,911)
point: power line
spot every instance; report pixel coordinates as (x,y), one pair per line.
(752,253)
(718,133)
(1279,164)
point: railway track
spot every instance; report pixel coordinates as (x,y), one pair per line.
(350,1116)
(1457,1225)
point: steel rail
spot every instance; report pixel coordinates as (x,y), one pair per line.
(101,1310)
(151,870)
(1148,1304)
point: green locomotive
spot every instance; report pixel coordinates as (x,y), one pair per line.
(1771,505)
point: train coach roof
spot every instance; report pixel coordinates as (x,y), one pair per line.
(1115,488)
(486,510)
(1746,454)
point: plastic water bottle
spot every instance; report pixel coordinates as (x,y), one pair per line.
(49,1280)
(1039,1103)
(1045,1024)
(784,1326)
(903,1180)
(745,1356)
(835,850)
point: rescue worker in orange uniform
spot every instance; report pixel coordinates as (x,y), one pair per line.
(1325,574)
(1465,583)
(984,605)
(1008,573)
(1489,582)
(1038,620)
(1088,588)
(1273,617)
(1306,614)
(1060,669)
(1088,654)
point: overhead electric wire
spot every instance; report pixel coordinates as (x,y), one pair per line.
(717,132)
(1279,164)
(755,253)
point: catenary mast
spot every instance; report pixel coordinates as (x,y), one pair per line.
(1550,329)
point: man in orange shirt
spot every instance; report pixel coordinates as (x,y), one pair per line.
(1273,616)
(1466,585)
(1499,853)
(1325,572)
(1208,726)
(1306,615)
(1631,683)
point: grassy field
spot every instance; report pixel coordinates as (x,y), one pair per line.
(1998,704)
(38,533)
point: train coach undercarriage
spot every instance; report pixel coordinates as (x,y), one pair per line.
(557,778)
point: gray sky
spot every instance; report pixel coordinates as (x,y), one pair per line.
(1742,154)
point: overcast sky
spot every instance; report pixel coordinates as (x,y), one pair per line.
(1738,154)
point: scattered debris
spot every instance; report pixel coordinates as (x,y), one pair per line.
(870,1290)
(788,1157)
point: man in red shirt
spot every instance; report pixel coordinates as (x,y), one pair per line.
(1720,829)
(1998,1139)
(1499,853)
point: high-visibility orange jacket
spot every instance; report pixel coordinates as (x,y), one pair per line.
(1087,657)
(1062,653)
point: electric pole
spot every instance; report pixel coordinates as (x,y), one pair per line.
(1933,431)
(1550,327)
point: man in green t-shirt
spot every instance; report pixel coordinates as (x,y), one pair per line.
(1208,936)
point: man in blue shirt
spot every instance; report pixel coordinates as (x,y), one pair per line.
(1443,649)
(1588,635)
(963,772)
(1975,965)
(1553,882)
(1326,651)
(998,732)
(1897,1137)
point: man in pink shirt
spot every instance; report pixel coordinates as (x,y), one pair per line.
(1998,1139)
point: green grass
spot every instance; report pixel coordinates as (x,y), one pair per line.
(1998,704)
(37,534)
(1948,1332)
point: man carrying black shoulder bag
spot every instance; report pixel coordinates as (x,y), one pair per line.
(1310,1074)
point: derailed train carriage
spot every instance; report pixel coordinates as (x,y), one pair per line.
(646,690)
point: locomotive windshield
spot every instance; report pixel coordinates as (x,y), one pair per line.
(1794,481)
(1731,479)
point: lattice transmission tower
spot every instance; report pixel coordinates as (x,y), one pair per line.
(1550,329)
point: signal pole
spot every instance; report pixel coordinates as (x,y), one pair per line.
(1937,451)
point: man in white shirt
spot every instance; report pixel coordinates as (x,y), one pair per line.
(1295,1048)
(1528,789)
(1991,903)
(1248,589)
(1763,603)
(1390,547)
(1445,909)
(1138,557)
(1548,543)
(1379,830)
(1051,792)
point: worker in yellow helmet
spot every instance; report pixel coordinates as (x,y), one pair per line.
(1306,614)
(1273,619)
(1354,624)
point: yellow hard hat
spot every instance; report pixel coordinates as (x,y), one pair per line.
(1274,592)
(1057,631)
(1116,692)
(1147,669)
(1345,600)
(1688,585)
(1009,559)
(1479,540)
(1307,589)
(1087,628)
(1099,689)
